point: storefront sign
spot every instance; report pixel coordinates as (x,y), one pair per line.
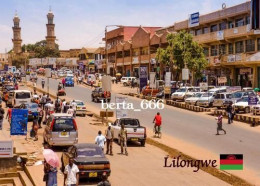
(216,60)
(185,74)
(152,80)
(220,35)
(127,63)
(245,71)
(231,58)
(252,100)
(167,90)
(135,60)
(234,89)
(222,80)
(168,79)
(238,57)
(203,86)
(144,61)
(143,74)
(19,122)
(153,61)
(254,57)
(6,149)
(120,112)
(194,19)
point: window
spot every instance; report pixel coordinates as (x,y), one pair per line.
(213,28)
(247,20)
(23,95)
(198,32)
(258,44)
(205,30)
(222,26)
(127,53)
(250,45)
(214,50)
(230,24)
(222,49)
(63,125)
(206,51)
(192,32)
(230,48)
(240,22)
(239,47)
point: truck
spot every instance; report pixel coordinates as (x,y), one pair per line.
(98,94)
(135,132)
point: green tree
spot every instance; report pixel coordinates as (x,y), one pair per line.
(163,57)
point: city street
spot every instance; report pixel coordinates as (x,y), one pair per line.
(193,129)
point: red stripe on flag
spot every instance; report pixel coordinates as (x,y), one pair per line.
(231,162)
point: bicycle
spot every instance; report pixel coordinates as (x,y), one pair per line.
(157,131)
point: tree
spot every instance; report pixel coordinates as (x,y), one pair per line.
(183,51)
(163,57)
(41,50)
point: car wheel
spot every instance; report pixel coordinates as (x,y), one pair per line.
(247,110)
(143,143)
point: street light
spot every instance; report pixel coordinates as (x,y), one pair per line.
(106,43)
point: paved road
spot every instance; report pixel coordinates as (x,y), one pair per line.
(191,127)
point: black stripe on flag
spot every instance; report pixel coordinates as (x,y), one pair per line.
(225,156)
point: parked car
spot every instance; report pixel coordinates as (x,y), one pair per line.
(256,109)
(193,100)
(90,159)
(60,73)
(181,93)
(247,89)
(192,92)
(222,100)
(206,100)
(217,90)
(98,94)
(135,132)
(148,91)
(61,130)
(126,80)
(69,82)
(239,94)
(21,97)
(81,108)
(160,94)
(242,105)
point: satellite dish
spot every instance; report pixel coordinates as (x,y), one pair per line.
(224,6)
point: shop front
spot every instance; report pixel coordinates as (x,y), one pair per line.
(244,77)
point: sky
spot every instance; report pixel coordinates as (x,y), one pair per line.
(81,23)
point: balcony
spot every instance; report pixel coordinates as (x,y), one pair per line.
(153,56)
(119,60)
(237,32)
(127,60)
(206,38)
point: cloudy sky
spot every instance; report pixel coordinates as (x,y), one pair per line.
(81,23)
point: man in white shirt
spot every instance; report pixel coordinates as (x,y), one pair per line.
(71,174)
(74,107)
(100,140)
(63,105)
(70,111)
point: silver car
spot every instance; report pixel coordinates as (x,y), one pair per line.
(61,130)
(222,100)
(206,100)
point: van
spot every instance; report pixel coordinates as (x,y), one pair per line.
(127,80)
(21,97)
(61,130)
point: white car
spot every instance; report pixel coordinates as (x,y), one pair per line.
(242,105)
(70,75)
(193,100)
(81,108)
(206,100)
(181,93)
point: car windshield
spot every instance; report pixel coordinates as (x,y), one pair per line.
(237,94)
(207,95)
(63,124)
(198,95)
(181,90)
(23,95)
(245,99)
(68,79)
(79,103)
(90,152)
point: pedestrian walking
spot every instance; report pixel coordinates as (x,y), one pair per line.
(123,139)
(74,107)
(70,111)
(52,175)
(229,112)
(100,140)
(40,116)
(34,87)
(219,124)
(2,112)
(63,105)
(66,107)
(109,139)
(9,115)
(35,127)
(132,83)
(63,82)
(43,83)
(71,174)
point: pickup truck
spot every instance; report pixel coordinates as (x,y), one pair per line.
(148,91)
(98,95)
(135,132)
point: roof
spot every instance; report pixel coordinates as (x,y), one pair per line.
(84,145)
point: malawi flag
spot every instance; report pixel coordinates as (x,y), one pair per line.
(231,161)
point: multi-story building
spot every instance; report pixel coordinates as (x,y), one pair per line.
(127,47)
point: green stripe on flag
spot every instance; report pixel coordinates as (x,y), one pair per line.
(231,167)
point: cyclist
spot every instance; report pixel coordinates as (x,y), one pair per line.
(158,122)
